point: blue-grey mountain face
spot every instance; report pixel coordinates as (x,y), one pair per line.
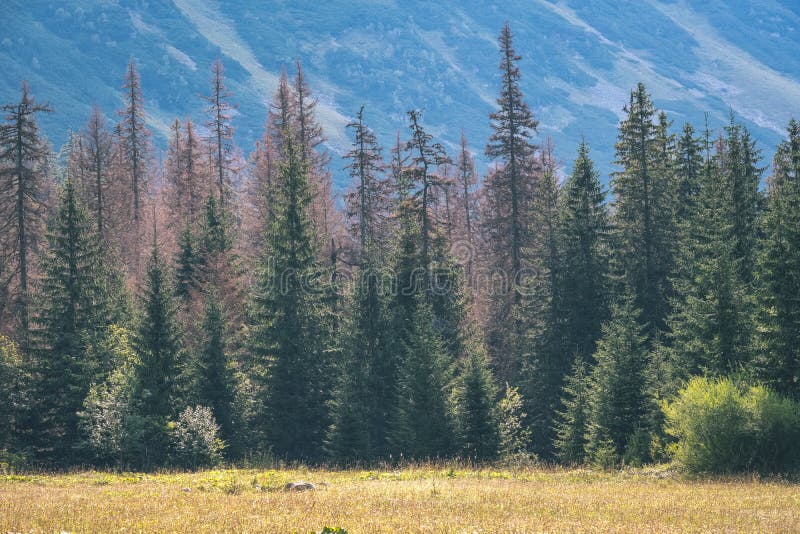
(580,59)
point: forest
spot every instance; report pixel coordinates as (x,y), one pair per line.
(202,306)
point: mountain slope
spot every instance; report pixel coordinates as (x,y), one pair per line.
(580,59)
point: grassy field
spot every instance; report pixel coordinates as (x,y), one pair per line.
(422,499)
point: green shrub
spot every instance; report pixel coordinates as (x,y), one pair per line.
(722,427)
(195,439)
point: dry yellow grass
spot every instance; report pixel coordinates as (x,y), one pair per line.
(419,499)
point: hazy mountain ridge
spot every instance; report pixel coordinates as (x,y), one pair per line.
(579,61)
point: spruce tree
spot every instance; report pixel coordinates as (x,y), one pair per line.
(421,425)
(739,165)
(289,321)
(778,320)
(508,207)
(709,325)
(643,215)
(23,152)
(572,422)
(73,312)
(365,391)
(158,346)
(619,404)
(476,414)
(584,233)
(187,264)
(216,384)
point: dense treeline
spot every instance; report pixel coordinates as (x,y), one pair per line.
(213,306)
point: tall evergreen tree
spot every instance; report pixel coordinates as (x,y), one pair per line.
(476,417)
(739,163)
(619,405)
(421,425)
(643,214)
(365,392)
(779,273)
(572,422)
(290,324)
(24,152)
(538,315)
(508,208)
(135,136)
(584,233)
(73,312)
(216,384)
(709,325)
(157,343)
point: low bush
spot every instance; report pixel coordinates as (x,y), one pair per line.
(195,439)
(723,427)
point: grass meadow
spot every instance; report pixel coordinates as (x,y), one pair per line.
(412,499)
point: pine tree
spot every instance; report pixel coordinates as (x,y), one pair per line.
(216,385)
(157,343)
(421,424)
(73,312)
(572,422)
(537,315)
(187,265)
(510,142)
(709,324)
(135,136)
(643,215)
(739,164)
(220,130)
(368,202)
(509,192)
(584,233)
(365,391)
(779,273)
(475,406)
(688,169)
(425,156)
(20,191)
(619,405)
(289,322)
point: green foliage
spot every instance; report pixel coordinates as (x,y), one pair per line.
(778,319)
(110,419)
(73,310)
(290,325)
(194,439)
(365,394)
(709,326)
(475,406)
(723,427)
(583,279)
(619,402)
(158,345)
(422,427)
(643,216)
(13,395)
(214,374)
(572,422)
(515,436)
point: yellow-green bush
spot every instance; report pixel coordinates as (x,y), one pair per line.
(723,427)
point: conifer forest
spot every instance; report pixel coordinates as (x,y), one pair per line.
(205,303)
